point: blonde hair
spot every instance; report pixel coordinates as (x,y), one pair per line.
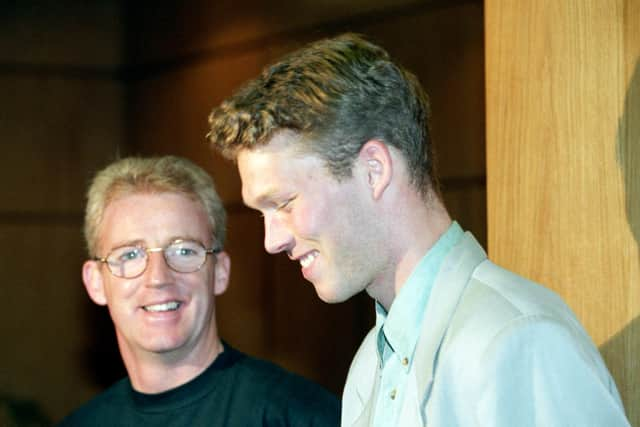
(168,174)
(336,94)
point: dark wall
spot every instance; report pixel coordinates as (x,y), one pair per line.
(61,117)
(88,81)
(269,309)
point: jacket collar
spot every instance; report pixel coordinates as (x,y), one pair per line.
(448,288)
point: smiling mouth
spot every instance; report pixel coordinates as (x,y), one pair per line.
(306,260)
(160,308)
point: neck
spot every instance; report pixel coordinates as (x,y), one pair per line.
(158,372)
(417,228)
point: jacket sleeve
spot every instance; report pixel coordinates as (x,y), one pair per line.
(539,372)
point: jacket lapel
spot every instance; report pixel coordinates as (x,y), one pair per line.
(367,372)
(364,419)
(448,288)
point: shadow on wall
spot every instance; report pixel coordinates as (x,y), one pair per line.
(621,351)
(628,151)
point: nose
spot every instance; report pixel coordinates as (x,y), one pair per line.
(158,272)
(277,237)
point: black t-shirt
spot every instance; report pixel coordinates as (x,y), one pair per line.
(236,390)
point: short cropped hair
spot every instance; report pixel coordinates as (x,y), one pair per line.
(136,175)
(335,94)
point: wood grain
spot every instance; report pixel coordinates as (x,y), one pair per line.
(563,162)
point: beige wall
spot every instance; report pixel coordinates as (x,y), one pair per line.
(563,162)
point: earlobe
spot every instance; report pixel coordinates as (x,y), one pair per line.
(222,273)
(92,279)
(378,164)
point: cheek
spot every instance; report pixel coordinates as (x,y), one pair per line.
(117,290)
(309,221)
(205,281)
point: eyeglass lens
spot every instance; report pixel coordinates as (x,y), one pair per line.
(183,256)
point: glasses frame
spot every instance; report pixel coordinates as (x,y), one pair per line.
(208,251)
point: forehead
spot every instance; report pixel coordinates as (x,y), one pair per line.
(277,166)
(154,218)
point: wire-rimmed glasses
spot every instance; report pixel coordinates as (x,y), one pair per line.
(182,256)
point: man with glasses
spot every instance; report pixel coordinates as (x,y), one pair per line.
(155,230)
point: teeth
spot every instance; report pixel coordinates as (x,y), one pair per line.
(306,260)
(168,306)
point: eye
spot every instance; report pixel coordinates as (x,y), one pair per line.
(286,205)
(125,254)
(186,249)
(185,252)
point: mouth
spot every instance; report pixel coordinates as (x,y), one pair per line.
(162,308)
(305,261)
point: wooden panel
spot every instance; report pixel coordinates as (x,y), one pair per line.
(86,35)
(170,108)
(467,204)
(44,319)
(66,118)
(562,159)
(170,29)
(242,312)
(270,310)
(312,338)
(169,113)
(444,48)
(55,133)
(61,119)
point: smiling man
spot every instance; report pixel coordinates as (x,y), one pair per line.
(155,230)
(334,149)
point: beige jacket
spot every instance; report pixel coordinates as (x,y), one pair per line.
(495,350)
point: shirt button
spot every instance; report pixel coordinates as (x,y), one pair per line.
(405,361)
(392,395)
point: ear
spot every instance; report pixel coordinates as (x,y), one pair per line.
(222,273)
(93,282)
(376,159)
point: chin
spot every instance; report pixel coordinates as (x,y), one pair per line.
(164,345)
(329,295)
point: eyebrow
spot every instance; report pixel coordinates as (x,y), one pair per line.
(136,242)
(264,198)
(142,242)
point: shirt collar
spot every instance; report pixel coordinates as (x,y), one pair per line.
(400,327)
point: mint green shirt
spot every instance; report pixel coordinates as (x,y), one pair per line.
(399,329)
